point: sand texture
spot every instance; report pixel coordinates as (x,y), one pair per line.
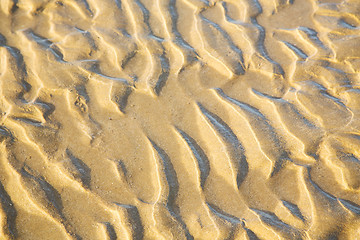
(179,119)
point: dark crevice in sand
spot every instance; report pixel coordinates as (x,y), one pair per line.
(300,53)
(173,184)
(122,99)
(83,170)
(128,58)
(10,213)
(262,49)
(294,209)
(6,133)
(223,215)
(202,159)
(240,67)
(134,221)
(313,36)
(48,108)
(53,201)
(95,68)
(236,150)
(191,52)
(164,75)
(30,121)
(272,220)
(110,231)
(46,44)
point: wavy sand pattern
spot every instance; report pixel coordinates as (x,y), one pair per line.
(180,119)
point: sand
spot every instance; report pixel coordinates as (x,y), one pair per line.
(179,119)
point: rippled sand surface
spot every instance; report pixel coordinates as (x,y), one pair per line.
(179,119)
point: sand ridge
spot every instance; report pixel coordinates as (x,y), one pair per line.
(179,119)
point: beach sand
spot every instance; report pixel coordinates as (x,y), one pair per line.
(179,119)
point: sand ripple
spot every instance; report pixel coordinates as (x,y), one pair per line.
(179,119)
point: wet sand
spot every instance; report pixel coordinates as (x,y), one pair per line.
(180,119)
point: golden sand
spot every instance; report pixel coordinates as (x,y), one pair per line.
(179,119)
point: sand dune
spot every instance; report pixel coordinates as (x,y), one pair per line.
(180,119)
